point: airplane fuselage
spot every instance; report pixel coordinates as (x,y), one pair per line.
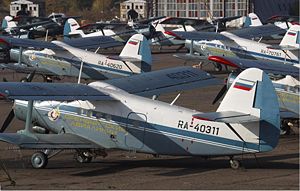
(140,124)
(243,48)
(65,63)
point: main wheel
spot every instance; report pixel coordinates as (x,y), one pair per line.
(39,160)
(234,164)
(218,67)
(82,158)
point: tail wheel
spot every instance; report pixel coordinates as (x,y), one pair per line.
(234,164)
(39,160)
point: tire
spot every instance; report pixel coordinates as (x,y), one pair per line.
(235,164)
(39,160)
(218,67)
(83,159)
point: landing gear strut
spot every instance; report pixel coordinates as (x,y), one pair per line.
(39,160)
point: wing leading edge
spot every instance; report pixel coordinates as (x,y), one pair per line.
(145,84)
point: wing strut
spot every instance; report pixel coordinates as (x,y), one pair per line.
(28,123)
(20,55)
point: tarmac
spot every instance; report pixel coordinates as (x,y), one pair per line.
(275,170)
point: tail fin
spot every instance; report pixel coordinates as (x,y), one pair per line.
(137,47)
(70,28)
(252,93)
(8,23)
(252,20)
(292,37)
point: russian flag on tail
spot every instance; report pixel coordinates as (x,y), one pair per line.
(291,33)
(133,42)
(244,84)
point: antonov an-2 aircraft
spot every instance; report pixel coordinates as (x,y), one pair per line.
(62,59)
(111,114)
(236,44)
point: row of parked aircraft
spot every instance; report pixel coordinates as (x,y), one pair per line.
(118,113)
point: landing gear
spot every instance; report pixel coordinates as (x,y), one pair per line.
(83,157)
(234,164)
(218,67)
(39,160)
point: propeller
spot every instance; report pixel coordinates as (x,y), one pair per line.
(11,114)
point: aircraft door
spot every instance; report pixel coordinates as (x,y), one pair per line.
(134,137)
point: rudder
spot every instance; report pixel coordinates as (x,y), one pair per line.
(252,92)
(292,37)
(137,47)
(70,28)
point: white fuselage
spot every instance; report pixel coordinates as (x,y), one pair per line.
(136,123)
(243,48)
(67,62)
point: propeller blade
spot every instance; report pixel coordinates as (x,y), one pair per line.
(220,94)
(7,121)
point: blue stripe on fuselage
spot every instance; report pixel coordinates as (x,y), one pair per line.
(243,146)
(93,66)
(250,53)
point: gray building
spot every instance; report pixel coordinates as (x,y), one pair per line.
(222,8)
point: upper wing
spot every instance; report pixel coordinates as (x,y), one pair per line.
(267,66)
(101,26)
(184,21)
(145,84)
(29,26)
(147,21)
(258,31)
(50,91)
(196,35)
(83,43)
(164,81)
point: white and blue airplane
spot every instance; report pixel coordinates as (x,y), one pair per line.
(112,115)
(68,59)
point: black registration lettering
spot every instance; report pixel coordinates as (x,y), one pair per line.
(182,75)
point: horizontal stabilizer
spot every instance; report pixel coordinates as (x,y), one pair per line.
(47,141)
(83,43)
(227,117)
(258,31)
(195,35)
